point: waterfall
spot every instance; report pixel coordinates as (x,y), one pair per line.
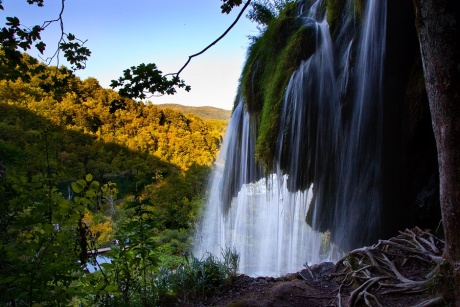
(358,201)
(327,163)
(267,229)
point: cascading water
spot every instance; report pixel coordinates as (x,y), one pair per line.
(267,230)
(328,141)
(359,198)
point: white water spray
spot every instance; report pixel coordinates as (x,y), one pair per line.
(266,229)
(265,221)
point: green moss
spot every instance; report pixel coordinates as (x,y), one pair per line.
(359,8)
(272,60)
(334,10)
(263,58)
(299,47)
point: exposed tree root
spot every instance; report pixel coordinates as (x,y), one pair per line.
(408,263)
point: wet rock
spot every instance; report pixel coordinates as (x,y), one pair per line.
(312,272)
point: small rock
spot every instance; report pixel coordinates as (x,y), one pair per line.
(315,270)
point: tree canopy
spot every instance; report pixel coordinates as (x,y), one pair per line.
(80,167)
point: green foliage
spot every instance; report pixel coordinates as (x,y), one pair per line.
(271,61)
(196,278)
(171,246)
(134,277)
(55,128)
(99,131)
(129,274)
(174,210)
(74,51)
(139,80)
(15,37)
(41,261)
(263,56)
(261,14)
(40,254)
(264,11)
(120,283)
(228,5)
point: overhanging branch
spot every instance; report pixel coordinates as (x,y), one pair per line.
(217,40)
(138,81)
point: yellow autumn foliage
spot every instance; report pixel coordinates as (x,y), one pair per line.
(101,232)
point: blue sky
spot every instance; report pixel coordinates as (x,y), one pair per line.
(121,34)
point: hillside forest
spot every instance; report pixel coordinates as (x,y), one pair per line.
(82,168)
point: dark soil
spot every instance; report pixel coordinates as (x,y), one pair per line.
(293,290)
(406,270)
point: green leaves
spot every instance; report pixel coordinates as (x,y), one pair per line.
(140,80)
(38,259)
(16,38)
(228,5)
(12,21)
(13,36)
(40,47)
(87,189)
(74,51)
(78,186)
(261,14)
(94,186)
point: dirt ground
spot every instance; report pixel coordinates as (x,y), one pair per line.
(406,270)
(293,290)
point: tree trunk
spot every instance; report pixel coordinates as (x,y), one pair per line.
(438,28)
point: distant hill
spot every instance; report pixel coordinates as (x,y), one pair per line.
(203,112)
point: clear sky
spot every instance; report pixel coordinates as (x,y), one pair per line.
(122,34)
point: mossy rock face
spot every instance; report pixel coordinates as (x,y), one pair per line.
(272,60)
(300,46)
(263,59)
(334,9)
(359,8)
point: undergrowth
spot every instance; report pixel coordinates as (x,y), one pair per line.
(194,279)
(197,278)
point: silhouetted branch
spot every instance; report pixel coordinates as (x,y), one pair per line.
(218,39)
(136,82)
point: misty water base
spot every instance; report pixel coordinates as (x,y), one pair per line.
(339,159)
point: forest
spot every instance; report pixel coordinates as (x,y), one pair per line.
(82,168)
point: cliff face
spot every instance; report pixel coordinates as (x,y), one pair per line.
(411,185)
(335,94)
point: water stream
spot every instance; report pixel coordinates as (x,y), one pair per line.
(330,136)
